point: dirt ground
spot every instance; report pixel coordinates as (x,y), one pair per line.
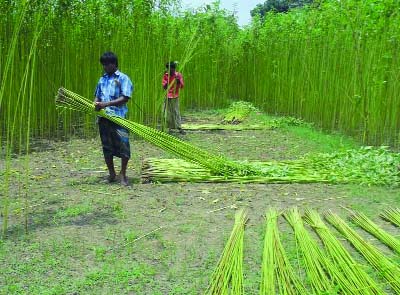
(88,237)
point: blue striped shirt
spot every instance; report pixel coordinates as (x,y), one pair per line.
(112,87)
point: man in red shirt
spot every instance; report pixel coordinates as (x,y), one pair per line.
(172,82)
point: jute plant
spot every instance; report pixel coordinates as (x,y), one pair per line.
(320,266)
(392,215)
(367,224)
(217,164)
(228,276)
(380,262)
(314,259)
(366,166)
(238,111)
(276,267)
(362,283)
(175,170)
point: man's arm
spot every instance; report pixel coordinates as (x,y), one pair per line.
(179,80)
(165,81)
(116,102)
(126,87)
(97,93)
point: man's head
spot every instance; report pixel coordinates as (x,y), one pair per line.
(171,67)
(109,61)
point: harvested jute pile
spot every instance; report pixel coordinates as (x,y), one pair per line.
(367,166)
(238,111)
(217,164)
(312,258)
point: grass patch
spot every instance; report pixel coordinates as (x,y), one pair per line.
(315,140)
(74,211)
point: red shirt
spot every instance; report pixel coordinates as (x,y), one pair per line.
(173,87)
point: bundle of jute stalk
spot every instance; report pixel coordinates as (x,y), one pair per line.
(318,270)
(322,271)
(362,283)
(276,266)
(238,111)
(368,166)
(392,215)
(177,170)
(229,273)
(387,269)
(368,225)
(239,127)
(218,165)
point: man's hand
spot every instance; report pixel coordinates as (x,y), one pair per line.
(98,105)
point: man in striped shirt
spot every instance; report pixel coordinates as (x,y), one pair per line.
(112,94)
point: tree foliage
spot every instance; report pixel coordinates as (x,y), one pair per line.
(278,6)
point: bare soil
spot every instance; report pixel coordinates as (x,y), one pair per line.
(87,237)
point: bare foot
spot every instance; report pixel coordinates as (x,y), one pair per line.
(124,181)
(110,179)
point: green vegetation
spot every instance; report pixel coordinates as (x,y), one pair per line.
(389,270)
(215,163)
(333,64)
(275,263)
(365,166)
(289,78)
(278,6)
(238,111)
(392,215)
(364,222)
(361,282)
(100,249)
(330,65)
(229,273)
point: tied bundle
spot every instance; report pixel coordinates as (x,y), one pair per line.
(218,165)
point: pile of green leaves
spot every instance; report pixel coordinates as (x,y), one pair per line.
(288,121)
(365,166)
(238,111)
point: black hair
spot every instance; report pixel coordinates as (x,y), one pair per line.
(171,64)
(109,58)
